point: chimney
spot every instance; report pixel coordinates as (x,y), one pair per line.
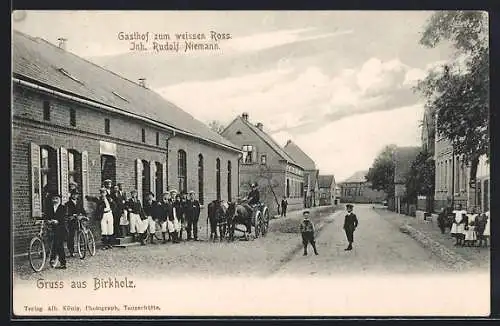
(62,43)
(142,82)
(245,116)
(260,126)
(288,142)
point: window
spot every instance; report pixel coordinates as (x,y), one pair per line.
(229,193)
(48,173)
(263,159)
(108,168)
(74,168)
(182,171)
(157,138)
(143,135)
(301,189)
(107,128)
(159,179)
(146,179)
(46,110)
(217,172)
(72,117)
(248,152)
(200,179)
(288,188)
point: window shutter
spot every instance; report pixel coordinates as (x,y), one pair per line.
(63,172)
(36,187)
(164,177)
(85,177)
(254,155)
(138,178)
(152,178)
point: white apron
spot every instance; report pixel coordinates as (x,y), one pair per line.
(470,234)
(457,228)
(487,226)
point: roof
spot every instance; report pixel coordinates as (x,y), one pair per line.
(299,156)
(41,62)
(403,158)
(269,140)
(326,181)
(359,176)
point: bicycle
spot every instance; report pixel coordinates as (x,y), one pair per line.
(41,246)
(84,237)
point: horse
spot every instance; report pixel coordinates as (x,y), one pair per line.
(239,214)
(217,216)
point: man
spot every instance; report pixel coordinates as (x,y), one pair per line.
(161,213)
(254,196)
(173,224)
(56,214)
(107,185)
(104,211)
(284,205)
(74,208)
(119,210)
(179,207)
(193,215)
(350,225)
(307,232)
(136,214)
(149,212)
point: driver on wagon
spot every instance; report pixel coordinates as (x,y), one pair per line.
(254,196)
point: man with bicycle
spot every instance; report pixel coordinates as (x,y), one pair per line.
(56,214)
(74,208)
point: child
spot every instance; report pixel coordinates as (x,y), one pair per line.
(350,225)
(458,227)
(307,231)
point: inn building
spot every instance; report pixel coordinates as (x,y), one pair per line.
(74,121)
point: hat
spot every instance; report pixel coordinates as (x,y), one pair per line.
(107,181)
(150,193)
(55,195)
(192,192)
(173,190)
(75,191)
(349,206)
(306,214)
(254,184)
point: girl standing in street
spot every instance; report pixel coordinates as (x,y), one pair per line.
(458,227)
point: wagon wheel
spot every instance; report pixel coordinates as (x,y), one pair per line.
(265,224)
(258,224)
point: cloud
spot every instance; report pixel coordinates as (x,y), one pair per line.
(261,41)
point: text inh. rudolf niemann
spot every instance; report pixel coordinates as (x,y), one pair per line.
(152,42)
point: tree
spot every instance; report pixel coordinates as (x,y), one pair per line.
(420,177)
(381,174)
(459,92)
(216,126)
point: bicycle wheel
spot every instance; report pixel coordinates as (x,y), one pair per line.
(81,244)
(37,254)
(90,243)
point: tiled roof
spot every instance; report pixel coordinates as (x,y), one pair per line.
(271,142)
(403,158)
(357,177)
(39,61)
(325,181)
(299,156)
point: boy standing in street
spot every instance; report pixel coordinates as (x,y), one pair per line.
(350,224)
(307,232)
(284,205)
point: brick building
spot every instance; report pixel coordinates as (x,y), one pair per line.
(73,121)
(356,189)
(311,187)
(267,163)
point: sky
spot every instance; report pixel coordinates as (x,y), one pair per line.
(337,83)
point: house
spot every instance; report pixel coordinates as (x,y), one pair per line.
(326,190)
(73,121)
(267,164)
(356,189)
(403,158)
(311,186)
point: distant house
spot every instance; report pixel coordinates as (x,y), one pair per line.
(356,189)
(403,158)
(311,187)
(266,163)
(326,190)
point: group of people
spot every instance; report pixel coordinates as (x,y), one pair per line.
(308,232)
(468,228)
(123,215)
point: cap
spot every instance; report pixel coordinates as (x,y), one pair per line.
(192,192)
(55,195)
(305,213)
(150,193)
(349,206)
(74,191)
(107,181)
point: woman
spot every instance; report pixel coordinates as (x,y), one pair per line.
(458,227)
